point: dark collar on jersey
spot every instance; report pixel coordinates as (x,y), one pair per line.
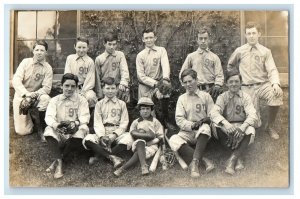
(106,99)
(106,54)
(149,119)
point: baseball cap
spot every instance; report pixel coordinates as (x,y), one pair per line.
(145,101)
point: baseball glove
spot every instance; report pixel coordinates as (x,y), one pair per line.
(105,143)
(164,88)
(67,127)
(124,95)
(142,134)
(26,104)
(197,124)
(234,139)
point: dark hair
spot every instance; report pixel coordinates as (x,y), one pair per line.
(148,30)
(232,73)
(42,43)
(82,39)
(108,81)
(252,24)
(203,30)
(110,36)
(144,105)
(189,72)
(69,76)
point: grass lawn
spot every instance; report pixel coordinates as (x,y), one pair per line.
(267,165)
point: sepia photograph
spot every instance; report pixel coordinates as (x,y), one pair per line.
(149,98)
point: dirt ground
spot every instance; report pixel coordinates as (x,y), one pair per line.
(267,165)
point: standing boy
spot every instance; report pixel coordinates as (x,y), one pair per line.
(234,116)
(191,116)
(143,148)
(67,117)
(112,63)
(207,65)
(260,75)
(152,65)
(81,65)
(110,124)
(33,79)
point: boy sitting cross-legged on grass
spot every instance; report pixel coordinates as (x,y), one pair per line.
(147,131)
(110,124)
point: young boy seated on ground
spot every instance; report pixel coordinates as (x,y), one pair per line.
(110,123)
(147,131)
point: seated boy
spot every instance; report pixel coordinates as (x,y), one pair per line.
(71,108)
(143,148)
(234,115)
(110,124)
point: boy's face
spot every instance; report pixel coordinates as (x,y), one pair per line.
(145,111)
(252,36)
(203,40)
(39,52)
(149,39)
(81,48)
(110,91)
(190,84)
(110,46)
(69,87)
(234,84)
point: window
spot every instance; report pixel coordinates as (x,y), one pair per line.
(274,36)
(58,28)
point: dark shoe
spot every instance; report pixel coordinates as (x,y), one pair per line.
(117,161)
(145,169)
(52,166)
(194,166)
(273,133)
(230,164)
(239,164)
(209,165)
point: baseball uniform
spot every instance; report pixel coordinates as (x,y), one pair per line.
(110,116)
(236,109)
(259,72)
(151,124)
(62,108)
(207,65)
(152,65)
(189,109)
(84,68)
(111,65)
(31,76)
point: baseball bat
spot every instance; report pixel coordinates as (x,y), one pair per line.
(181,162)
(163,159)
(154,162)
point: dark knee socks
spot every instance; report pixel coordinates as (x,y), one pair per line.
(54,147)
(97,149)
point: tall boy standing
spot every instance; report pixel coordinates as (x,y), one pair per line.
(81,65)
(112,63)
(152,65)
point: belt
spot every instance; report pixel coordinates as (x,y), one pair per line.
(109,124)
(255,84)
(205,86)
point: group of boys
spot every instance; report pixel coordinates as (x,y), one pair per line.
(91,92)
